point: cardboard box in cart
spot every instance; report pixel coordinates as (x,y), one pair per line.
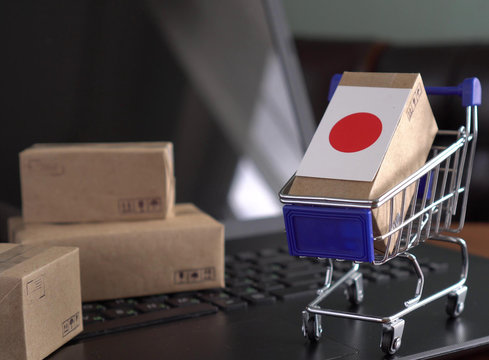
(40,300)
(97,182)
(377,130)
(137,258)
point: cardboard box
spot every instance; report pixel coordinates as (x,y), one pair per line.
(136,258)
(97,182)
(40,300)
(395,142)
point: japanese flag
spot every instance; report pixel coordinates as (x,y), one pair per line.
(354,133)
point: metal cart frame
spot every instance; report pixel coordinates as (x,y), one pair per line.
(440,198)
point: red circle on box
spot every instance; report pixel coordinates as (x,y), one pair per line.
(355,132)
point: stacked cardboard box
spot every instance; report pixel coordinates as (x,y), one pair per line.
(97,182)
(136,258)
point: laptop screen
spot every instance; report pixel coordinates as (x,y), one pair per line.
(241,131)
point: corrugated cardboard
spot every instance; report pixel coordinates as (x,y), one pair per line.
(97,182)
(40,300)
(407,151)
(136,258)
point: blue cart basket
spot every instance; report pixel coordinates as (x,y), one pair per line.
(338,229)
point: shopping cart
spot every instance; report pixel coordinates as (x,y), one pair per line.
(440,199)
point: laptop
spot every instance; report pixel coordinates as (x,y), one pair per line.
(242,72)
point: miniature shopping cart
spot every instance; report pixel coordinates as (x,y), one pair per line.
(341,229)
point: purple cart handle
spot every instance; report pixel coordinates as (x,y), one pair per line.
(469,90)
(333,84)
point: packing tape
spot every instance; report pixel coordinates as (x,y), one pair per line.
(18,255)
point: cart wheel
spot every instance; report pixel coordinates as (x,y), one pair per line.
(391,338)
(354,289)
(311,326)
(456,302)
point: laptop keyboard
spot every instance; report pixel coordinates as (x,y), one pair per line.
(258,278)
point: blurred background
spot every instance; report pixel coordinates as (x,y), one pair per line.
(106,70)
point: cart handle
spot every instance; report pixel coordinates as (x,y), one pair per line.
(469,90)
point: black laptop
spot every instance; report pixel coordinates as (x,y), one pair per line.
(241,70)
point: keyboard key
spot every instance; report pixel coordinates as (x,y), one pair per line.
(336,275)
(312,271)
(89,318)
(366,270)
(399,273)
(279,259)
(268,252)
(238,267)
(269,285)
(229,304)
(402,264)
(92,307)
(438,267)
(153,299)
(266,277)
(377,277)
(179,301)
(212,295)
(342,265)
(250,272)
(284,249)
(235,282)
(118,313)
(120,303)
(270,268)
(150,306)
(397,263)
(246,255)
(299,266)
(295,292)
(259,298)
(303,280)
(243,290)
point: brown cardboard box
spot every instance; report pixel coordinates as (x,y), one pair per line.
(406,152)
(136,258)
(40,300)
(97,182)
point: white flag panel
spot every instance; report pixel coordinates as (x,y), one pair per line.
(354,133)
